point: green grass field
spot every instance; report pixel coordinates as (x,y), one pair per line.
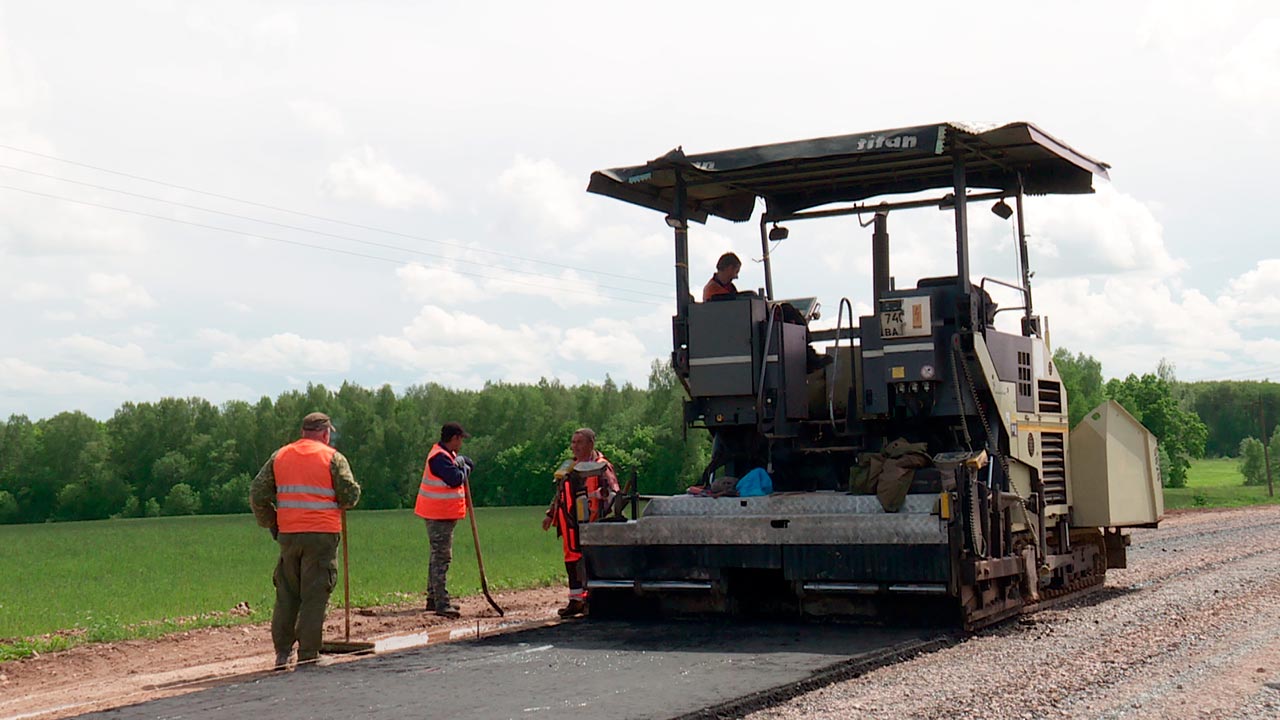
(112,579)
(1217,482)
(68,583)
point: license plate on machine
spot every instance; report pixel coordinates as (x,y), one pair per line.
(892,324)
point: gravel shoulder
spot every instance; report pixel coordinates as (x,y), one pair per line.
(1190,630)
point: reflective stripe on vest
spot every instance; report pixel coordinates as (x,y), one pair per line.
(436,500)
(305,498)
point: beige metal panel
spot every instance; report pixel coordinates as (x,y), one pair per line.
(1114,471)
(1003,392)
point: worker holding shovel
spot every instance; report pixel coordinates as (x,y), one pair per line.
(442,502)
(300,495)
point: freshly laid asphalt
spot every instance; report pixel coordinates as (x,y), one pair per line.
(572,670)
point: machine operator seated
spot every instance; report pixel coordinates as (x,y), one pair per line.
(721,286)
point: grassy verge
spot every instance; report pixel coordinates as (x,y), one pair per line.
(1216,482)
(70,583)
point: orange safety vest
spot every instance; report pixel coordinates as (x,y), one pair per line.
(572,510)
(436,500)
(305,498)
(714,288)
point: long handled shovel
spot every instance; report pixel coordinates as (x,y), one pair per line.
(346,647)
(475,537)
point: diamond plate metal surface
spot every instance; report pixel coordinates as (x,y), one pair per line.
(809,503)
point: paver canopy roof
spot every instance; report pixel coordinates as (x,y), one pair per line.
(795,176)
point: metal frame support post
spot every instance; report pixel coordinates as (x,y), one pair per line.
(680,323)
(1022,250)
(764,255)
(962,221)
(680,225)
(880,256)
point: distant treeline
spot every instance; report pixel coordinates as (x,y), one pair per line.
(1190,419)
(185,455)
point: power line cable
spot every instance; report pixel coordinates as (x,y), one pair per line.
(293,227)
(310,245)
(322,218)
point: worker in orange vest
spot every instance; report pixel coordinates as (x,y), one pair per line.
(300,494)
(566,513)
(721,282)
(442,503)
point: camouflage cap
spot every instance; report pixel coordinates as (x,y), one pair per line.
(316,421)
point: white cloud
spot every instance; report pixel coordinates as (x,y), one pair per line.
(40,227)
(21,377)
(1130,322)
(1247,75)
(438,341)
(320,118)
(1105,233)
(35,291)
(361,175)
(1253,299)
(443,285)
(81,349)
(568,289)
(113,296)
(279,353)
(436,284)
(279,30)
(608,343)
(544,195)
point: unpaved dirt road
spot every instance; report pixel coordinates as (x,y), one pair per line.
(1190,630)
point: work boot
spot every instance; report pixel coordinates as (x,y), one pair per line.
(283,658)
(575,608)
(449,609)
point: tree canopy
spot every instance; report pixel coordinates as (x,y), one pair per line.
(185,455)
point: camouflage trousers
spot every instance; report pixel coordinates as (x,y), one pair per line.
(304,578)
(440,535)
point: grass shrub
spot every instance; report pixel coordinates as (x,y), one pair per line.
(67,583)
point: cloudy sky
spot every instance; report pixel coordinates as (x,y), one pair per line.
(234,199)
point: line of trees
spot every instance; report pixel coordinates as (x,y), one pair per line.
(1163,405)
(185,455)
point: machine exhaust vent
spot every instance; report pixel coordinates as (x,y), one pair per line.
(1050,396)
(1024,375)
(1053,459)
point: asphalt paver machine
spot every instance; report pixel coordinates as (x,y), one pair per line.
(921,459)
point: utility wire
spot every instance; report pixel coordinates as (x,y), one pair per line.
(293,227)
(320,217)
(340,251)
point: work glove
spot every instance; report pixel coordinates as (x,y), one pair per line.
(468,462)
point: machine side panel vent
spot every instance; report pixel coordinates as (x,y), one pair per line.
(1053,459)
(1024,374)
(1050,396)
